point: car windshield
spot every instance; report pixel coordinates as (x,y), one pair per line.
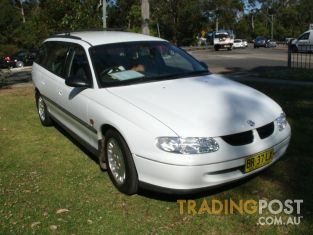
(221,35)
(138,62)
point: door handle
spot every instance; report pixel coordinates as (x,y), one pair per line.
(60,93)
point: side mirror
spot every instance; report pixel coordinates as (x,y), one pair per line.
(204,65)
(77,81)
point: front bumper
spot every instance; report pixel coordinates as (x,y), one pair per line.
(190,178)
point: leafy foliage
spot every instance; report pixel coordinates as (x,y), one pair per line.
(179,21)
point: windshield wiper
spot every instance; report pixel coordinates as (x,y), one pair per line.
(156,78)
(178,75)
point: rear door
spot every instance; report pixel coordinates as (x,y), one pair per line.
(75,100)
(50,74)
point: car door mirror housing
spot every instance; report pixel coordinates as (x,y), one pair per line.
(77,81)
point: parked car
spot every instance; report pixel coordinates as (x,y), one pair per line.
(223,39)
(271,43)
(2,63)
(21,58)
(260,41)
(288,40)
(245,42)
(238,43)
(304,43)
(155,116)
(5,62)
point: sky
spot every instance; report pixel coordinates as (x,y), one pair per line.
(248,9)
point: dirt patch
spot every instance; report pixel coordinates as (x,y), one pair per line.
(21,91)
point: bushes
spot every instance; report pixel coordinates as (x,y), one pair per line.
(7,49)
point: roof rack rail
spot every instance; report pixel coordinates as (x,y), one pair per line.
(116,29)
(99,29)
(65,34)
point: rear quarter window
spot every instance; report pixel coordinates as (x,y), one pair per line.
(52,56)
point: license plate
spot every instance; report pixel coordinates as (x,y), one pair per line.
(258,160)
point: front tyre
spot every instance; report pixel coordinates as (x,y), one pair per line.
(120,165)
(42,111)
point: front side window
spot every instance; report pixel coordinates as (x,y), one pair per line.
(139,62)
(304,36)
(78,65)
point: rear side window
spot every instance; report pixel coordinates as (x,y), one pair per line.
(42,54)
(52,56)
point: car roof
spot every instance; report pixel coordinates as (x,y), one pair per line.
(95,38)
(309,31)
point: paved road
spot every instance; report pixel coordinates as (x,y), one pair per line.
(248,60)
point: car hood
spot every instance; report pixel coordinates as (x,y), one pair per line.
(294,41)
(201,106)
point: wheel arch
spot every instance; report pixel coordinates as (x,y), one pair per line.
(105,127)
(37,92)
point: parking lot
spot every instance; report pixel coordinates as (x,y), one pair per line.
(245,61)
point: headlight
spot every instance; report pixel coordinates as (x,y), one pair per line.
(281,121)
(188,145)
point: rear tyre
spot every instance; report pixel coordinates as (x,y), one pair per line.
(42,111)
(120,165)
(216,48)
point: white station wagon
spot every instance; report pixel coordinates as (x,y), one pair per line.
(153,114)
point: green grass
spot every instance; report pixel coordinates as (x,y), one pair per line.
(42,171)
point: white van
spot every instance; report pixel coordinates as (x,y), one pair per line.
(304,43)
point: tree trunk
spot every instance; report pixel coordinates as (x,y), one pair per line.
(145,15)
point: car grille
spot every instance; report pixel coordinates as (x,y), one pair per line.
(239,139)
(247,136)
(266,131)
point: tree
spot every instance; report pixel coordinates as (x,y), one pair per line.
(180,20)
(125,14)
(226,12)
(242,28)
(9,21)
(70,15)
